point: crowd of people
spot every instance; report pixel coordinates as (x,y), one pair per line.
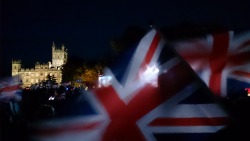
(43,102)
(40,103)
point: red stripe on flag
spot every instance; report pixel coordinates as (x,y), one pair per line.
(218,121)
(9,88)
(241,73)
(124,117)
(239,58)
(151,50)
(117,109)
(218,60)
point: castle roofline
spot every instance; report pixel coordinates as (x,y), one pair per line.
(16,61)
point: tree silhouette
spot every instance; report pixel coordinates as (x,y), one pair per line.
(87,75)
(70,68)
(51,79)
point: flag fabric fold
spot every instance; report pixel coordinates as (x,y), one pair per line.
(221,60)
(10,89)
(156,97)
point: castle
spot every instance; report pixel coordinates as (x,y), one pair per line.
(30,76)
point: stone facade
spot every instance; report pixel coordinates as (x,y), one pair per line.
(30,76)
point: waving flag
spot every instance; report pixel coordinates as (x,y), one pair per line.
(222,60)
(10,89)
(153,95)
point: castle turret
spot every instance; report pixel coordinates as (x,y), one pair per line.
(63,47)
(53,47)
(16,67)
(59,56)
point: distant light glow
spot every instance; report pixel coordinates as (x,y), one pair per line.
(248,91)
(51,98)
(150,75)
(104,81)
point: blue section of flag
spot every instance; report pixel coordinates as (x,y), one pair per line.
(236,88)
(200,96)
(120,66)
(165,54)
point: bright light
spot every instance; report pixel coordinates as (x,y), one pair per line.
(51,98)
(150,75)
(248,91)
(104,81)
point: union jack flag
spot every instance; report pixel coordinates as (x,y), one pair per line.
(222,60)
(10,89)
(154,95)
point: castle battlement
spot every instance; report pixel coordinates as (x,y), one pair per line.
(54,48)
(16,61)
(27,69)
(41,66)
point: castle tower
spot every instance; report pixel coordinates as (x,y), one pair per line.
(16,67)
(59,56)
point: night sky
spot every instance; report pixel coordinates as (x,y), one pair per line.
(86,27)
